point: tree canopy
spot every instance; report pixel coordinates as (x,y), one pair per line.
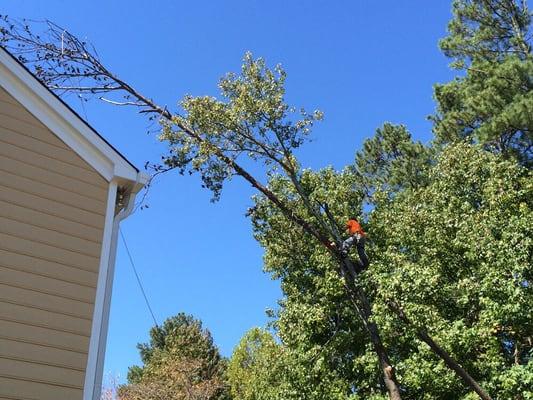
(491,103)
(180,362)
(455,255)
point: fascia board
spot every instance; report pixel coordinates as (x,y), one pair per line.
(57,117)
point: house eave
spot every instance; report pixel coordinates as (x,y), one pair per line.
(57,116)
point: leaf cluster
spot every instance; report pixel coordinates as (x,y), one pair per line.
(250,120)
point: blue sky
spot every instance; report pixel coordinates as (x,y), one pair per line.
(361,62)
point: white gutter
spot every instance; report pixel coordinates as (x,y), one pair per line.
(97,346)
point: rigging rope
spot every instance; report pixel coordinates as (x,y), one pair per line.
(138,278)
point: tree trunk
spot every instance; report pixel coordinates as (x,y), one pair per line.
(443,354)
(388,370)
(452,364)
(364,310)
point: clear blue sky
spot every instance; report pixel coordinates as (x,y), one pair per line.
(361,62)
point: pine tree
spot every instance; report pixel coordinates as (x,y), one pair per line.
(491,102)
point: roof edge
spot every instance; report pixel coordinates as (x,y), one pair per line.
(63,121)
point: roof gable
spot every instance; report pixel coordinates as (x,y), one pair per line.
(64,122)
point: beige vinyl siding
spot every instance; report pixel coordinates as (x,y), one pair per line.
(52,206)
(30,390)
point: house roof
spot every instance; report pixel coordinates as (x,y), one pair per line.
(63,121)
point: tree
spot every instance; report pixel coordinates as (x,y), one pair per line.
(491,104)
(317,322)
(262,369)
(254,368)
(180,362)
(455,257)
(391,161)
(453,287)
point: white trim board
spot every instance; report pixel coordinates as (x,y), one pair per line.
(97,345)
(99,322)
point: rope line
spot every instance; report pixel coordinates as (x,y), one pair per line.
(138,278)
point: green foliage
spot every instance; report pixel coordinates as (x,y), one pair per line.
(184,336)
(391,161)
(456,255)
(487,30)
(261,369)
(449,238)
(322,336)
(516,380)
(252,120)
(180,359)
(492,103)
(254,369)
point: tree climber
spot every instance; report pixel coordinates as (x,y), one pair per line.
(357,237)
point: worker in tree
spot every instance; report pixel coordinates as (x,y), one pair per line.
(357,237)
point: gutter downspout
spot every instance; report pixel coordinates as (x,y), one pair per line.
(96,356)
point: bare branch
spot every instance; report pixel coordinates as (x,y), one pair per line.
(121,103)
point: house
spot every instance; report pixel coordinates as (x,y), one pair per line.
(63,192)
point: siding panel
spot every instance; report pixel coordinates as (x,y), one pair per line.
(52,164)
(61,180)
(48,221)
(27,390)
(27,139)
(41,373)
(43,336)
(50,237)
(52,303)
(42,268)
(43,284)
(47,252)
(52,206)
(46,319)
(18,182)
(22,351)
(21,113)
(6,97)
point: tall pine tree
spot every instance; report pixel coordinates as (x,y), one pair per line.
(491,101)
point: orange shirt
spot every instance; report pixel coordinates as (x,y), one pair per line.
(354,227)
